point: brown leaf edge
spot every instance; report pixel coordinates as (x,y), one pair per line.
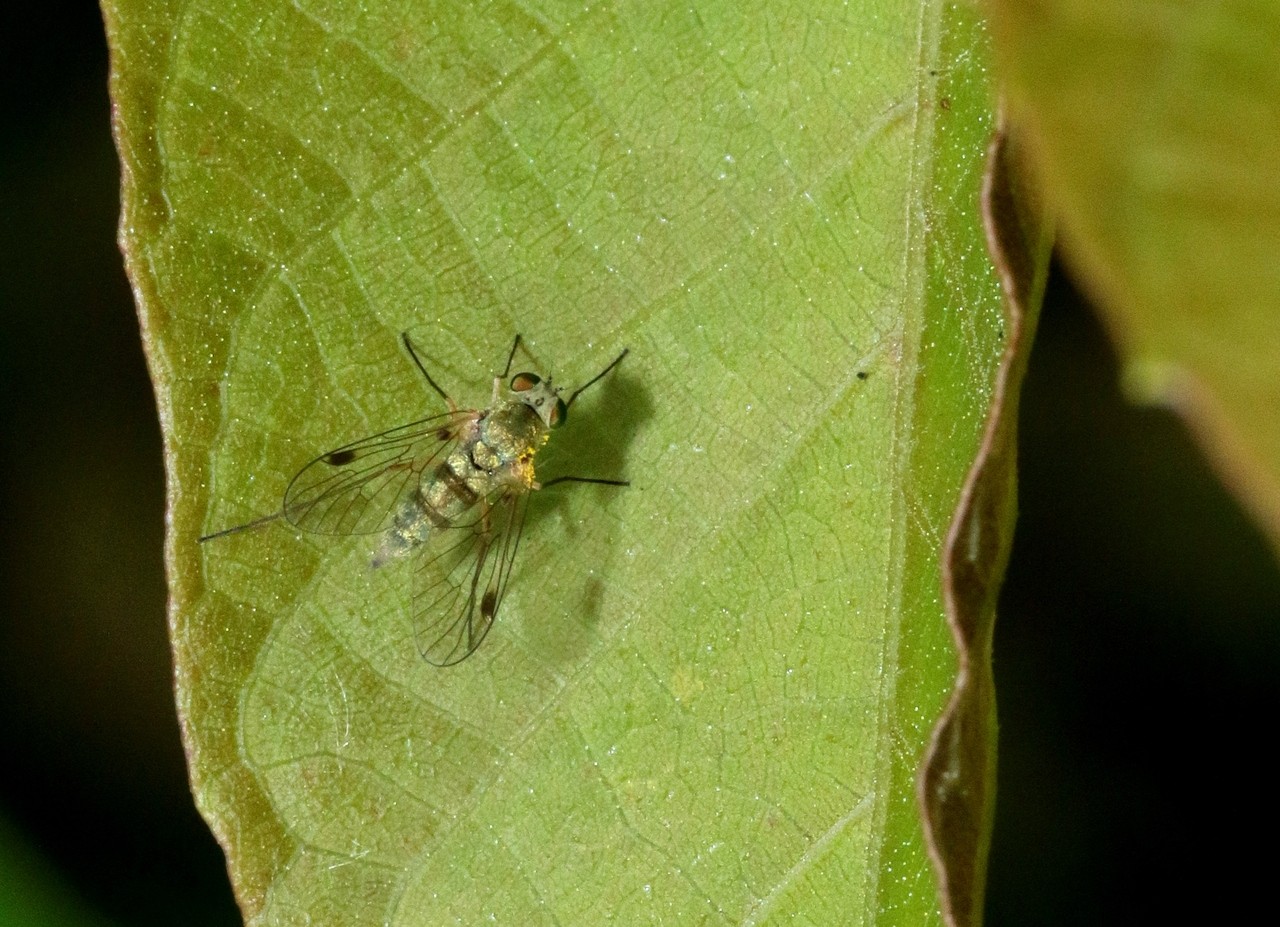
(956,786)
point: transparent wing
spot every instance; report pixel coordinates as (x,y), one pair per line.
(355,489)
(459,587)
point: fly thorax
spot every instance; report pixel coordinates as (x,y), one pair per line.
(485,458)
(511,432)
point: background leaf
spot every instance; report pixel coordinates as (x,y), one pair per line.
(708,694)
(1158,136)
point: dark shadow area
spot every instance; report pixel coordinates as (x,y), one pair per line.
(596,439)
(93,786)
(594,442)
(1137,654)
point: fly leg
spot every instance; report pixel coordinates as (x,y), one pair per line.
(583,479)
(453,406)
(579,391)
(499,380)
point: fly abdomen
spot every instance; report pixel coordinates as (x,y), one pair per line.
(412,528)
(453,488)
(457,485)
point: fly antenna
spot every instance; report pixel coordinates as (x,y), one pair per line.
(578,392)
(506,371)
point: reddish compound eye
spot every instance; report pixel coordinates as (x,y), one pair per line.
(523,382)
(558,414)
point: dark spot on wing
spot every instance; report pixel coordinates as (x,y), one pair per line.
(339,458)
(444,434)
(488,604)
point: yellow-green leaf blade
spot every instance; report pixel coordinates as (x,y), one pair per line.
(707,694)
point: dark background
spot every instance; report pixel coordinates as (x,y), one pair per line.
(1136,654)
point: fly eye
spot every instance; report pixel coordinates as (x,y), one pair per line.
(558,414)
(523,382)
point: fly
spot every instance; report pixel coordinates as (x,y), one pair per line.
(456,485)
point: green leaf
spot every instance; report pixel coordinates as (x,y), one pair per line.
(1156,133)
(707,695)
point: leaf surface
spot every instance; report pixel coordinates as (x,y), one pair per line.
(707,695)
